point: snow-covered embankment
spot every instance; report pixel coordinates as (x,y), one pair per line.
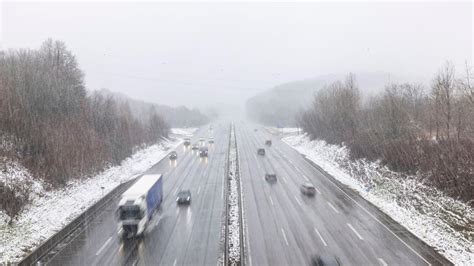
(442,222)
(49,211)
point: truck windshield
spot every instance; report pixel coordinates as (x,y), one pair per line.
(130,213)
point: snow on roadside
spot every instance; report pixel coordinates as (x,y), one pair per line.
(49,211)
(283,130)
(187,132)
(13,174)
(233,201)
(440,221)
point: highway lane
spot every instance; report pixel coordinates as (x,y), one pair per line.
(176,235)
(286,228)
(282,226)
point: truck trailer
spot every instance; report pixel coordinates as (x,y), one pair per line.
(138,204)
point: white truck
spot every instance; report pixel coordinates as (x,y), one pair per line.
(138,204)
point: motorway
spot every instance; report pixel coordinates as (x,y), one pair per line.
(176,235)
(282,227)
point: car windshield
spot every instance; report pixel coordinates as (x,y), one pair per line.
(183,194)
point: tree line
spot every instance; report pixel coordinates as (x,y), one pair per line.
(410,128)
(181,116)
(59,131)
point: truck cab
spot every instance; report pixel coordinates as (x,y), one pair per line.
(137,205)
(132,216)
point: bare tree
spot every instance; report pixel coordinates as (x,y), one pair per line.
(59,132)
(392,127)
(443,88)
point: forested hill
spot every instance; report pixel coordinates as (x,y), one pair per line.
(51,126)
(280,105)
(174,116)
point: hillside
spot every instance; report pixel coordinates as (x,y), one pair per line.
(174,116)
(53,131)
(279,105)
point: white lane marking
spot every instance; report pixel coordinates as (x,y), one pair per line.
(317,190)
(199,189)
(382,262)
(284,179)
(375,218)
(103,246)
(299,203)
(271,201)
(355,232)
(284,236)
(305,178)
(175,261)
(320,236)
(176,191)
(334,208)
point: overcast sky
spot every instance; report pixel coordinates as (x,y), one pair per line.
(205,54)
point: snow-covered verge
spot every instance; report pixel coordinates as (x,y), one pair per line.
(187,132)
(442,222)
(13,174)
(283,130)
(50,210)
(233,202)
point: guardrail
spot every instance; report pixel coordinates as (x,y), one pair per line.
(241,214)
(226,184)
(46,250)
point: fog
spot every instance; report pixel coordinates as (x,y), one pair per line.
(209,54)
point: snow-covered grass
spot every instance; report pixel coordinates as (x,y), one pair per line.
(440,221)
(187,132)
(233,202)
(284,130)
(51,210)
(13,174)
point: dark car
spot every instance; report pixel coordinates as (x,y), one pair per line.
(268,142)
(195,147)
(261,151)
(184,197)
(271,178)
(327,260)
(173,155)
(308,189)
(203,152)
(187,142)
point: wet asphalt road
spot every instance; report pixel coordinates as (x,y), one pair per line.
(283,227)
(176,235)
